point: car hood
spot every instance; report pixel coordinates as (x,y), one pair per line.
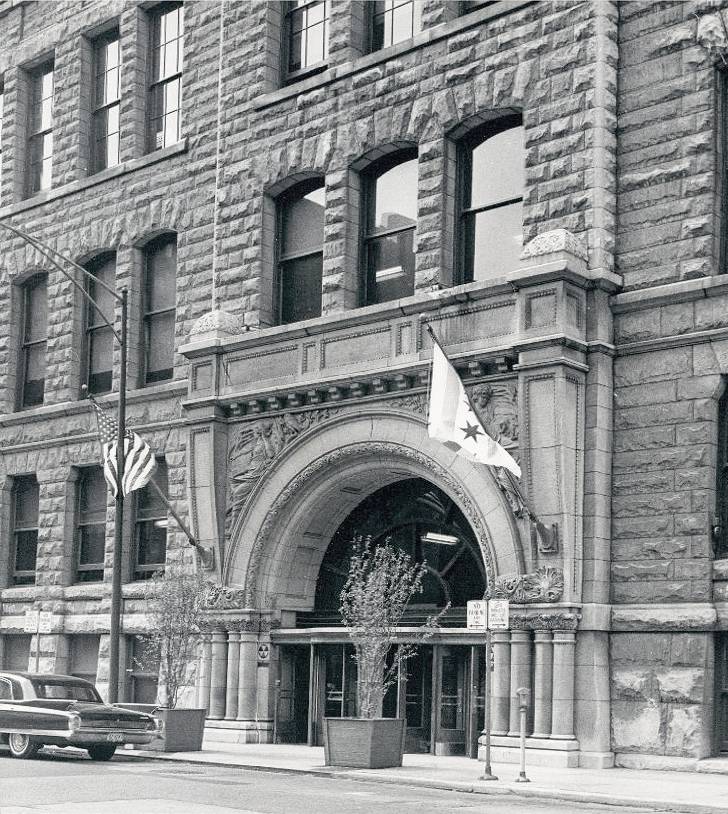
(89,710)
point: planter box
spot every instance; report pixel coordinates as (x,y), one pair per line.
(363,743)
(183,728)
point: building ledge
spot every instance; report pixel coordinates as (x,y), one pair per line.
(102,177)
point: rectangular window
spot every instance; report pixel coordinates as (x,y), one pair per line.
(394,21)
(25,529)
(106,102)
(40,130)
(160,272)
(306,29)
(91,525)
(84,657)
(143,670)
(98,336)
(34,340)
(165,87)
(151,526)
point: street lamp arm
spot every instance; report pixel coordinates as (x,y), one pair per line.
(46,252)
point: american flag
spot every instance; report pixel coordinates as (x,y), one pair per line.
(139,462)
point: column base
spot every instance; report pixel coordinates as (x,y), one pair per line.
(239,731)
(596,760)
(539,751)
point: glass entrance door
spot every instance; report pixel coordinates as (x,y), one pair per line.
(452,699)
(291,721)
(335,685)
(418,701)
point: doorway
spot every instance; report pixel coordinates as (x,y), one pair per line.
(721,692)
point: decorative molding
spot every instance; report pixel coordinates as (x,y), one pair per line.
(488,305)
(221,597)
(556,240)
(497,407)
(544,621)
(359,451)
(253,448)
(543,585)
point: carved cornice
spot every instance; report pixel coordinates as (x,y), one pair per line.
(543,585)
(544,621)
(221,597)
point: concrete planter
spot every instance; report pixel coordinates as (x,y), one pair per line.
(364,743)
(183,730)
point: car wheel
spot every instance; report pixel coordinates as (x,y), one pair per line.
(102,751)
(22,746)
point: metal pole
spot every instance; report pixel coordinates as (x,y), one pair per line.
(115,624)
(37,641)
(523,694)
(487,774)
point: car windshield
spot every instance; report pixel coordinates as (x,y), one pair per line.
(66,690)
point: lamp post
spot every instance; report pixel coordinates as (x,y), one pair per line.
(121,337)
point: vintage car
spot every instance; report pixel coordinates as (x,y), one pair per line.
(57,710)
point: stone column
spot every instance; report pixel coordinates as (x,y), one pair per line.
(562,721)
(543,667)
(247,676)
(219,674)
(233,669)
(501,690)
(520,673)
(203,683)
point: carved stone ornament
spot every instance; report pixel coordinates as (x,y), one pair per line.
(543,585)
(712,34)
(217,322)
(496,404)
(253,448)
(221,597)
(557,240)
(544,621)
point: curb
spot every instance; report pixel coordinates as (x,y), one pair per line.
(497,789)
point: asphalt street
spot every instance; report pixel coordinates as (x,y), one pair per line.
(70,784)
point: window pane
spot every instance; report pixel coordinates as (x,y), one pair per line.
(160,277)
(35,369)
(91,545)
(498,169)
(391,267)
(496,240)
(316,44)
(105,272)
(395,197)
(160,346)
(36,310)
(26,545)
(92,496)
(152,543)
(301,288)
(17,652)
(150,504)
(303,223)
(84,656)
(26,503)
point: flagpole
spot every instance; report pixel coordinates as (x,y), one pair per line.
(115,622)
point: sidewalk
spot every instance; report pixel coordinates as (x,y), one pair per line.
(693,792)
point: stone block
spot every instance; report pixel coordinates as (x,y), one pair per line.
(684,730)
(639,648)
(637,726)
(649,367)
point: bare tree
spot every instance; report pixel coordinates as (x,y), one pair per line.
(175,600)
(380,584)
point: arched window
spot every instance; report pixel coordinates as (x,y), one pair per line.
(159,298)
(390,219)
(34,338)
(300,251)
(421,519)
(98,336)
(492,180)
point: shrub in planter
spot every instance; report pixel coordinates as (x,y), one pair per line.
(380,584)
(175,601)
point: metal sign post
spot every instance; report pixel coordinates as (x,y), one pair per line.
(477,615)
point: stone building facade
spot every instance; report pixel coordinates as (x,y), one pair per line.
(291,414)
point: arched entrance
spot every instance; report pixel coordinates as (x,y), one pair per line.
(440,692)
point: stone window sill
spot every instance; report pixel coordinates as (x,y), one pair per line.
(92,180)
